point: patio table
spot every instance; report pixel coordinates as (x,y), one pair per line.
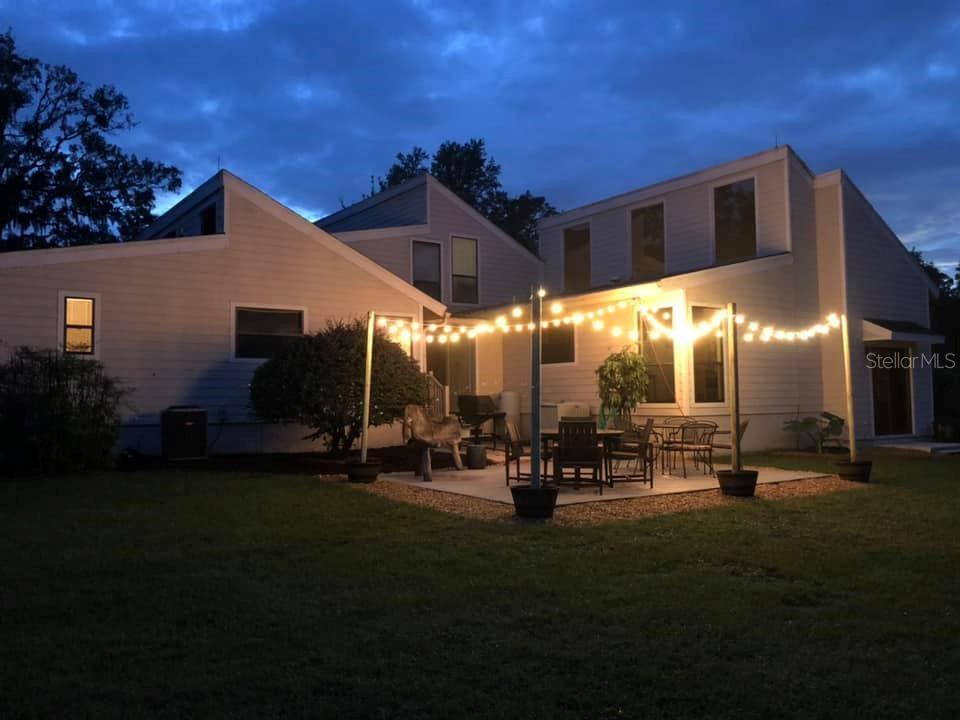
(606,435)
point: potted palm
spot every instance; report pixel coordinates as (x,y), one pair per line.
(622,382)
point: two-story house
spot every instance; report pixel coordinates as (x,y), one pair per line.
(652,267)
(425,234)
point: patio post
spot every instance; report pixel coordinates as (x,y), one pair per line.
(848,382)
(536,308)
(367,374)
(734,381)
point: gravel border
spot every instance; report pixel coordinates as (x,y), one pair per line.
(596,513)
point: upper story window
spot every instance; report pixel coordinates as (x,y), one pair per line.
(707,361)
(646,237)
(426,268)
(735,221)
(78,325)
(464,263)
(208,220)
(576,259)
(558,345)
(262,332)
(657,350)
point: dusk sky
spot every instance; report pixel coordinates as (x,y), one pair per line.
(576,101)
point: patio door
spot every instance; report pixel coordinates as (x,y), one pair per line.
(454,365)
(892,396)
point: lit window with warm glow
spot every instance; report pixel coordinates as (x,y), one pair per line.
(657,349)
(78,325)
(707,359)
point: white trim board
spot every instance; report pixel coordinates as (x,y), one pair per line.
(112,251)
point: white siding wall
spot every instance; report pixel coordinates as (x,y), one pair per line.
(882,282)
(166,319)
(688,221)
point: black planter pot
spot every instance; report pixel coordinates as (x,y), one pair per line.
(358,472)
(858,471)
(738,483)
(531,502)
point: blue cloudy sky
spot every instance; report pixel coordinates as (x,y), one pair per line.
(576,100)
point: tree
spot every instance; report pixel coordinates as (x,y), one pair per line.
(475,178)
(317,381)
(62,182)
(944,284)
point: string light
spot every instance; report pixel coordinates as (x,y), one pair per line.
(658,322)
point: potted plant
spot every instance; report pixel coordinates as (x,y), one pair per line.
(827,428)
(855,470)
(738,483)
(622,382)
(317,381)
(534,502)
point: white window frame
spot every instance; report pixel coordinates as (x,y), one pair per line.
(674,305)
(252,305)
(662,200)
(465,236)
(576,349)
(563,252)
(413,240)
(691,367)
(62,296)
(730,180)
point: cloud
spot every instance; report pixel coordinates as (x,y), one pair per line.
(576,100)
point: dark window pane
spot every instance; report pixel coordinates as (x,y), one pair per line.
(558,345)
(735,221)
(208,220)
(657,350)
(430,288)
(464,289)
(646,228)
(576,259)
(262,332)
(426,264)
(707,360)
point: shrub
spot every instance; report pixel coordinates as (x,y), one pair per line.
(622,382)
(58,413)
(818,430)
(317,381)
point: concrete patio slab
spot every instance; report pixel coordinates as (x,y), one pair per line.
(490,484)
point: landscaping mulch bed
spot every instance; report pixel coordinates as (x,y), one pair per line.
(595,513)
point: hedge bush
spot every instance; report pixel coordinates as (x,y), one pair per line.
(58,413)
(317,381)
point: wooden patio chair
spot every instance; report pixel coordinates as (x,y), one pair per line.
(515,451)
(694,438)
(635,454)
(578,449)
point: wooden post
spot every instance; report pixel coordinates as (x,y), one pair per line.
(733,375)
(536,307)
(367,376)
(848,382)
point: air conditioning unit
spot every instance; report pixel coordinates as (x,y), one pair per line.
(183,433)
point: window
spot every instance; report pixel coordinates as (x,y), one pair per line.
(465,270)
(735,221)
(78,321)
(707,361)
(262,332)
(558,345)
(646,233)
(426,268)
(576,259)
(657,350)
(208,220)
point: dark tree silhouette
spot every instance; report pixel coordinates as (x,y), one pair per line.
(466,169)
(62,182)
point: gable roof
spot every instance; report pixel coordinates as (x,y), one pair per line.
(373,202)
(393,230)
(328,241)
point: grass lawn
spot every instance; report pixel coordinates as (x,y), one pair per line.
(251,595)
